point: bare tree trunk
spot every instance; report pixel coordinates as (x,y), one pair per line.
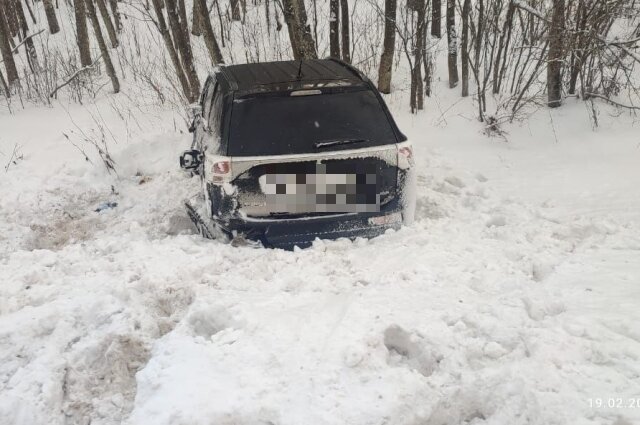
(478,50)
(174,25)
(104,51)
(266,14)
(465,48)
(116,14)
(503,46)
(10,16)
(346,42)
(184,22)
(334,29)
(308,44)
(428,72)
(389,46)
(52,20)
(315,22)
(420,39)
(452,43)
(82,35)
(183,44)
(13,78)
(209,37)
(479,35)
(166,36)
(3,85)
(235,10)
(292,29)
(554,61)
(30,48)
(436,18)
(111,31)
(302,42)
(33,17)
(577,54)
(219,13)
(195,19)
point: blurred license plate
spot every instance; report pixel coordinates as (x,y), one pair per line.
(319,192)
(386,219)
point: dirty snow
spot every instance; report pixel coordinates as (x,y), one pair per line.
(513,299)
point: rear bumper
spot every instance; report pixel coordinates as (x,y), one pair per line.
(289,232)
(286,234)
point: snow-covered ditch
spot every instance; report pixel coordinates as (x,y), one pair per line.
(492,308)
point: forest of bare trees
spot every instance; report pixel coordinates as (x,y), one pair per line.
(506,54)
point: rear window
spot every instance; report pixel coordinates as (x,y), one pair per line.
(284,124)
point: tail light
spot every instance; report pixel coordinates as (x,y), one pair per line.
(221,171)
(405,157)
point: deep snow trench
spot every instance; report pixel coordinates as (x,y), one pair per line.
(498,306)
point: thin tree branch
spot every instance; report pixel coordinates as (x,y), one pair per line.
(613,102)
(74,76)
(27,38)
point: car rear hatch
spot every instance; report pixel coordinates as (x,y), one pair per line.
(322,150)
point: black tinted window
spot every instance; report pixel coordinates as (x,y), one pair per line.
(283,124)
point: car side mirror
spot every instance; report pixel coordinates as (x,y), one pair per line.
(190,160)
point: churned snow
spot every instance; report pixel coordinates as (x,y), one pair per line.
(514,297)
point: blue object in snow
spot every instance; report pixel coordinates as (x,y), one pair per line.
(106,206)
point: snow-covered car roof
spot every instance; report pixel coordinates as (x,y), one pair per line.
(256,75)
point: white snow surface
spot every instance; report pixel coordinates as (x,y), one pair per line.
(514,297)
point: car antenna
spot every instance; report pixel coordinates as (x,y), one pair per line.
(299,70)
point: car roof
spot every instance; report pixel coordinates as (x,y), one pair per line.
(252,76)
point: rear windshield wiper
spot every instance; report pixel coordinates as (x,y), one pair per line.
(329,143)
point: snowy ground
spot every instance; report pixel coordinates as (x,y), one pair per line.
(513,299)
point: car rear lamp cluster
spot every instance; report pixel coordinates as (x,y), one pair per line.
(221,171)
(405,157)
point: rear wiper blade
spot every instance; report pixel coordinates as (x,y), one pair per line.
(329,143)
